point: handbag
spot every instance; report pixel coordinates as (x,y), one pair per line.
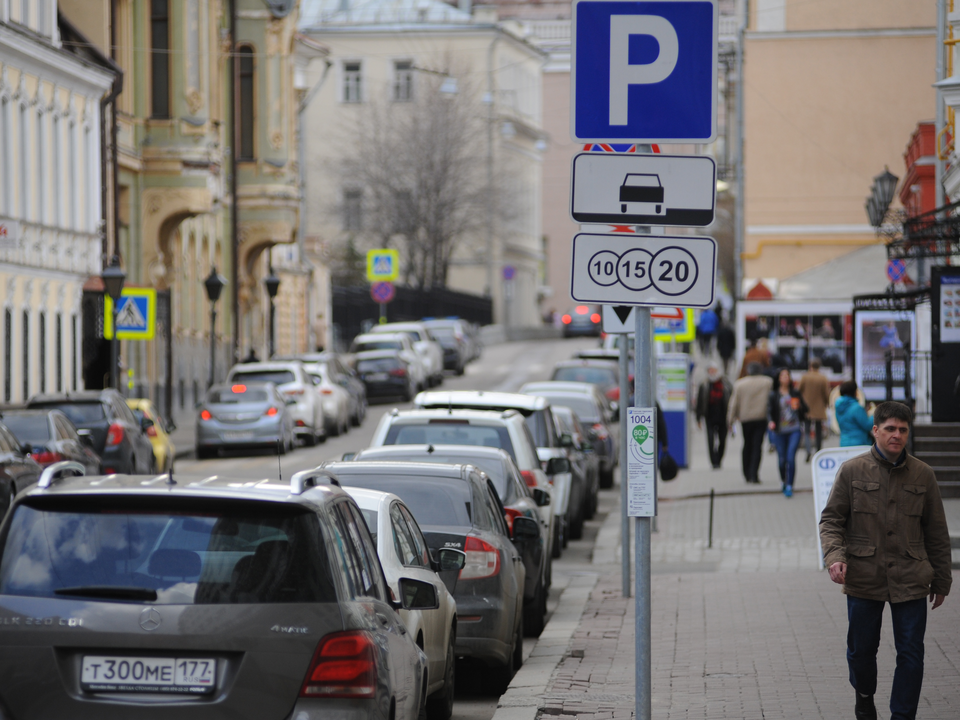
(668,466)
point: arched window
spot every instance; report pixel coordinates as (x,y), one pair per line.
(160,59)
(247,92)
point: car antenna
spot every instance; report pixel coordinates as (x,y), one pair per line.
(170,480)
(279,464)
(430,449)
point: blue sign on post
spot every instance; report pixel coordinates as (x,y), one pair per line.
(644,71)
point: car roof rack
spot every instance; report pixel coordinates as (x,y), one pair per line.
(306,479)
(58,471)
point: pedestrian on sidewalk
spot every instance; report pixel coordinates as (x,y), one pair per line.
(713,400)
(815,391)
(748,404)
(707,329)
(885,539)
(726,345)
(786,412)
(854,423)
(756,353)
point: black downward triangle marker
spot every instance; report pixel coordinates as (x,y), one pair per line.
(623,312)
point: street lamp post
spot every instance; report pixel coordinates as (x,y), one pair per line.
(113,278)
(272,283)
(214,284)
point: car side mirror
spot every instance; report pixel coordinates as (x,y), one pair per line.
(452,559)
(525,528)
(558,465)
(615,410)
(417,595)
(541,497)
(85,438)
(289,400)
(26,449)
(566,440)
(348,456)
(171,426)
(146,423)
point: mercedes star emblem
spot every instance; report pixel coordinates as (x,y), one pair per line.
(150,619)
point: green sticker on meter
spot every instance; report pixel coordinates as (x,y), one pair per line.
(640,434)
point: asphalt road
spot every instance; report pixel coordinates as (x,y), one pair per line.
(502,367)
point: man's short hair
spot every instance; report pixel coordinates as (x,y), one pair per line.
(892,409)
(754,368)
(848,388)
(815,364)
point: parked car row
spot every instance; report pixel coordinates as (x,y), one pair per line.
(273,404)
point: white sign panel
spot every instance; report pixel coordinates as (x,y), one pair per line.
(641,462)
(826,464)
(9,233)
(949,309)
(632,189)
(644,270)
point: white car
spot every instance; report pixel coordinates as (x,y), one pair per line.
(430,351)
(403,552)
(291,380)
(396,342)
(334,399)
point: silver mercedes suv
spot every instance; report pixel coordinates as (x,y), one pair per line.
(151,597)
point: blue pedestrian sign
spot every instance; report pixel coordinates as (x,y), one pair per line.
(644,71)
(136,314)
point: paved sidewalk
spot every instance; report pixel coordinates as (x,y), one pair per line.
(743,630)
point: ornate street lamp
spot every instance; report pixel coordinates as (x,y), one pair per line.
(113,278)
(272,283)
(214,284)
(881,195)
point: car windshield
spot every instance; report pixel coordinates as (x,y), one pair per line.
(278,377)
(28,428)
(432,502)
(368,345)
(234,395)
(585,408)
(211,552)
(80,413)
(592,375)
(450,433)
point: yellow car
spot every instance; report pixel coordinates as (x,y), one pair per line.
(163,448)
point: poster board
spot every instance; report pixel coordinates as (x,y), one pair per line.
(876,332)
(826,465)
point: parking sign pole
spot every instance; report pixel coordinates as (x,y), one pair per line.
(624,519)
(643,398)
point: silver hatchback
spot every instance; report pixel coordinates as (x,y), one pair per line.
(125,596)
(244,415)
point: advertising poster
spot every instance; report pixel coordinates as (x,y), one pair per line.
(826,465)
(793,340)
(876,332)
(641,459)
(950,309)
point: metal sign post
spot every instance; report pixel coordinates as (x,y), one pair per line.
(624,518)
(643,397)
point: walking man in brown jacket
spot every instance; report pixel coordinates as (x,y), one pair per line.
(885,539)
(815,391)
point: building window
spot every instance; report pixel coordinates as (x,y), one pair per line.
(26,354)
(351,82)
(403,81)
(24,163)
(74,177)
(42,350)
(75,352)
(160,58)
(247,102)
(59,350)
(7,355)
(41,171)
(57,175)
(352,200)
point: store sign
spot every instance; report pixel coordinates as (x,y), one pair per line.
(9,233)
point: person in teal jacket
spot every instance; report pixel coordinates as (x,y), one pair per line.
(855,424)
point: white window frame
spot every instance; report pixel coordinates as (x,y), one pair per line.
(351,84)
(403,88)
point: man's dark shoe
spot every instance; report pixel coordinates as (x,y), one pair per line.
(865,709)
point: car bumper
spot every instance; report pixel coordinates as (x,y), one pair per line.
(387,388)
(117,459)
(212,433)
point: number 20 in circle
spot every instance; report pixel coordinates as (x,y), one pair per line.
(674,270)
(603,268)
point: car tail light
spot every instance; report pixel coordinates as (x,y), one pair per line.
(343,666)
(326,391)
(613,393)
(115,435)
(529,478)
(206,415)
(483,560)
(300,423)
(294,391)
(595,318)
(509,514)
(238,389)
(45,457)
(152,431)
(271,411)
(398,372)
(582,309)
(566,319)
(601,431)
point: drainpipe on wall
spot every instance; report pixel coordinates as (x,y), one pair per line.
(739,226)
(110,99)
(938,167)
(234,202)
(490,118)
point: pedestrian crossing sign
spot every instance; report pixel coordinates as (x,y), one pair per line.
(383,265)
(136,315)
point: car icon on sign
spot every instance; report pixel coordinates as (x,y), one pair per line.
(643,189)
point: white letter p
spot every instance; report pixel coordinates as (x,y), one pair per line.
(622,73)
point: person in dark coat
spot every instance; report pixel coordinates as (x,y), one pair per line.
(726,345)
(713,399)
(786,412)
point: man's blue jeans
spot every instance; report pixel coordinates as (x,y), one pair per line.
(863,640)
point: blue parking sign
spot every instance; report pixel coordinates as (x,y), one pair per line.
(644,71)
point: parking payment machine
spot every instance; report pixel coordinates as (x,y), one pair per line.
(673,394)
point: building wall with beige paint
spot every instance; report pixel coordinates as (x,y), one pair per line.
(832,94)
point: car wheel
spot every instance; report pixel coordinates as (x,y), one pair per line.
(335,430)
(534,613)
(440,704)
(576,527)
(606,479)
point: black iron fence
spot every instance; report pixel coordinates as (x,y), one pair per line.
(907,377)
(354,309)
